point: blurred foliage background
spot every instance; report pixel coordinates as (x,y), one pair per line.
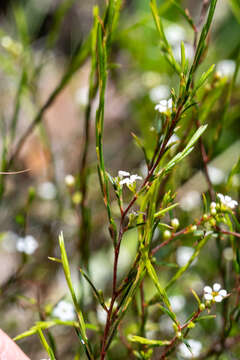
(38,39)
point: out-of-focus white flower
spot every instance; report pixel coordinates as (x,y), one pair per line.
(81,96)
(227,201)
(216,175)
(195,346)
(164,106)
(27,245)
(183,255)
(101,314)
(159,92)
(69,180)
(189,51)
(216,294)
(177,302)
(173,139)
(190,200)
(9,239)
(47,190)
(175,34)
(226,68)
(228,254)
(64,311)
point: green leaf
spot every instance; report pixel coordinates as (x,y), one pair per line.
(144,341)
(180,156)
(235,5)
(152,273)
(163,211)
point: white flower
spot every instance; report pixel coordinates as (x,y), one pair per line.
(27,245)
(177,302)
(184,254)
(175,34)
(216,175)
(64,311)
(195,346)
(214,294)
(127,178)
(101,314)
(69,180)
(47,190)
(190,200)
(173,139)
(123,173)
(227,201)
(164,106)
(81,96)
(159,92)
(226,68)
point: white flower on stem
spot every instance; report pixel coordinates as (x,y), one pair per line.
(130,180)
(227,201)
(164,106)
(184,254)
(215,294)
(195,346)
(226,68)
(27,245)
(123,173)
(64,311)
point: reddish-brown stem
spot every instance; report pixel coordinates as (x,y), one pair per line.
(233,233)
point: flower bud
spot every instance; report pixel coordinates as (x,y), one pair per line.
(167,234)
(205,217)
(175,223)
(202,307)
(191,325)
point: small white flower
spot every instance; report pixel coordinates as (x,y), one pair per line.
(175,34)
(101,314)
(159,92)
(173,139)
(214,294)
(123,173)
(195,346)
(69,180)
(226,68)
(27,245)
(190,200)
(177,302)
(227,201)
(164,106)
(81,96)
(47,190)
(64,311)
(216,175)
(184,254)
(130,180)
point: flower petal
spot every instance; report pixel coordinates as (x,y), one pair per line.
(223,293)
(207,289)
(218,298)
(216,287)
(122,173)
(208,296)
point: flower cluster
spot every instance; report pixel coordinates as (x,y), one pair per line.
(227,201)
(164,106)
(127,178)
(27,245)
(215,294)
